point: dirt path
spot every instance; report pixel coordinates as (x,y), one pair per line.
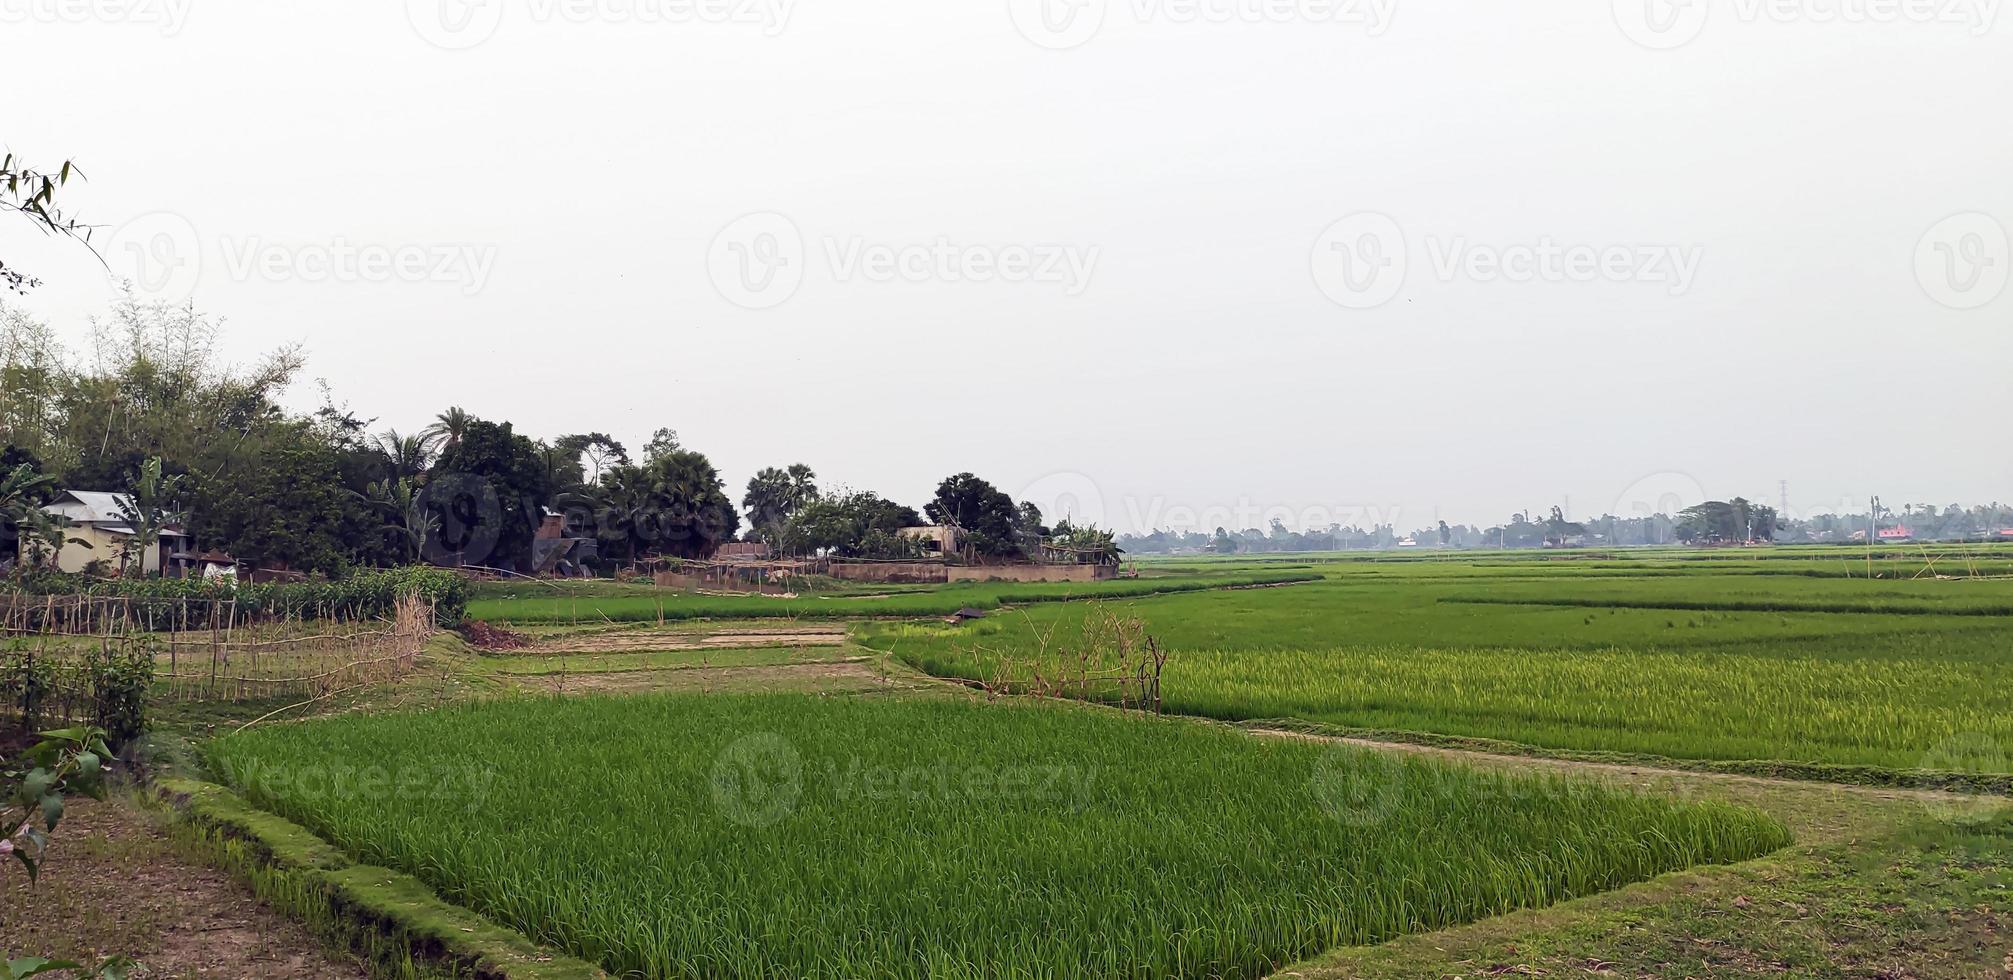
(855,675)
(651,641)
(1644,776)
(116,884)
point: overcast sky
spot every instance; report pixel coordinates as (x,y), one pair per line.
(1349,260)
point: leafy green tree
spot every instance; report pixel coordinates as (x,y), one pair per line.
(993,526)
(662,442)
(852,524)
(487,491)
(285,506)
(596,451)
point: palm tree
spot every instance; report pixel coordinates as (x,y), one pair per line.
(408,455)
(447,428)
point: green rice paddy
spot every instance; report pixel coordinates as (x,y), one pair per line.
(785,836)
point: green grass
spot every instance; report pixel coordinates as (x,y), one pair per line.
(624,604)
(788,837)
(1668,666)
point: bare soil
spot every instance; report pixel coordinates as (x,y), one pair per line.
(641,641)
(115,883)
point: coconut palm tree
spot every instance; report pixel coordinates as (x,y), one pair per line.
(408,455)
(447,428)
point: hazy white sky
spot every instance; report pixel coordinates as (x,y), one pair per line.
(1322,259)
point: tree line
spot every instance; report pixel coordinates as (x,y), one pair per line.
(151,410)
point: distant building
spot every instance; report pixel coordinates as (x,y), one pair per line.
(557,549)
(1892,534)
(100,532)
(742,551)
(938,539)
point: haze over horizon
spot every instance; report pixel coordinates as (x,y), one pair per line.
(1402,262)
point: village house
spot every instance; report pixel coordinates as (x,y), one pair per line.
(100,534)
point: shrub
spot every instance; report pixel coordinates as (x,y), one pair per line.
(364,595)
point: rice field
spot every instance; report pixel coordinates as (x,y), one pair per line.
(1701,664)
(607,602)
(783,836)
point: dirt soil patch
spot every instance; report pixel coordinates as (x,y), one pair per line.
(642,641)
(828,677)
(115,883)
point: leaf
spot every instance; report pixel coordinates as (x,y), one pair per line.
(37,784)
(52,810)
(87,763)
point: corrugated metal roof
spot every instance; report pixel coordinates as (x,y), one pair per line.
(97,507)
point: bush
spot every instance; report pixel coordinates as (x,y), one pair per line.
(364,595)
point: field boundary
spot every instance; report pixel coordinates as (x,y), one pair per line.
(386,916)
(1877,608)
(1924,780)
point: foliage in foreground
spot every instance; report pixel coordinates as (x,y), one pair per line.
(363,595)
(779,836)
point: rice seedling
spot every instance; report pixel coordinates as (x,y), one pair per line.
(631,605)
(779,836)
(1686,667)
